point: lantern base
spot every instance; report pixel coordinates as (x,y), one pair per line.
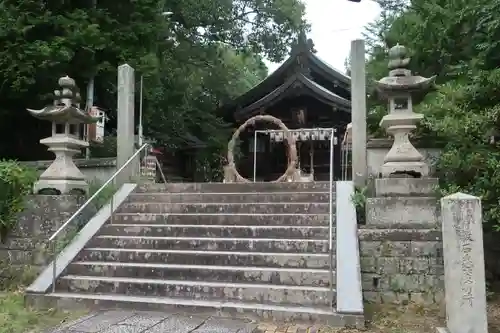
(62,176)
(404,170)
(61,186)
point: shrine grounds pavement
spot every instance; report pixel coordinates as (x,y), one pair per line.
(115,321)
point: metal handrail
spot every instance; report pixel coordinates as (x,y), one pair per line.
(79,210)
(89,200)
(161,171)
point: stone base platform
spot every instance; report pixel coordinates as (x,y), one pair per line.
(233,310)
(153,322)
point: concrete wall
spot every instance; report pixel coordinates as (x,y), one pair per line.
(402,265)
(97,170)
(378,148)
(397,265)
(101,169)
(42,216)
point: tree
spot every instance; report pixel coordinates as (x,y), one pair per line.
(184,96)
(179,56)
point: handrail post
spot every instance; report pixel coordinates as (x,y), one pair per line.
(53,247)
(111,204)
(330,226)
(255,155)
(139,169)
(111,201)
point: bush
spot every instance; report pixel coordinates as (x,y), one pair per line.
(16,182)
(105,149)
(358,198)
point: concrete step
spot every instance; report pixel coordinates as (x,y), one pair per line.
(208,273)
(214,231)
(251,310)
(221,219)
(218,258)
(198,290)
(234,187)
(253,197)
(214,244)
(253,208)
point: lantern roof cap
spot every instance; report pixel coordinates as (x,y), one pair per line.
(66,106)
(401,81)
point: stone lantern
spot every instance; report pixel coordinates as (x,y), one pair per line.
(402,90)
(63,176)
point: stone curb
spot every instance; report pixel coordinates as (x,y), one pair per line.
(270,328)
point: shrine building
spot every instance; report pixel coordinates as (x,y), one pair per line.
(311,98)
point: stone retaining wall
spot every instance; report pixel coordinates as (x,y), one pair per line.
(402,265)
(43,214)
(398,265)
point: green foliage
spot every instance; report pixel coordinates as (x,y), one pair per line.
(16,182)
(459,42)
(15,317)
(104,196)
(192,61)
(358,198)
(12,277)
(105,149)
(210,162)
(61,242)
(70,232)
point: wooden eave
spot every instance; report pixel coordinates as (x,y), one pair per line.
(276,79)
(268,84)
(329,73)
(297,83)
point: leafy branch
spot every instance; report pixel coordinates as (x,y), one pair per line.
(16,182)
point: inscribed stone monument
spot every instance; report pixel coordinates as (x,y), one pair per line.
(465,287)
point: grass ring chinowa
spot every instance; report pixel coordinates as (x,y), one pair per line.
(292,149)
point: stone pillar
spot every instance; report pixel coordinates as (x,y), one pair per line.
(358,113)
(465,287)
(125,132)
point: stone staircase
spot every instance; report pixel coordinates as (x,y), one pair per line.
(259,248)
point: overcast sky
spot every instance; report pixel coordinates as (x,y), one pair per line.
(334,24)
